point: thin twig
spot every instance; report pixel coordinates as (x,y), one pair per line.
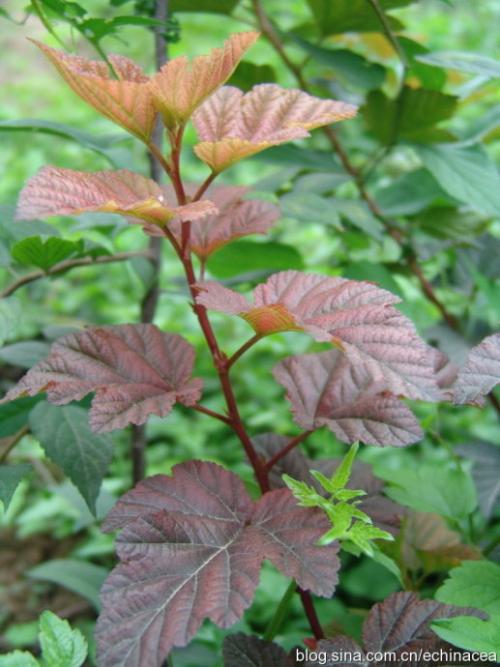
(388,32)
(150,299)
(240,351)
(288,448)
(203,187)
(13,442)
(211,413)
(66,265)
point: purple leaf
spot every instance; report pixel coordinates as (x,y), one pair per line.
(326,390)
(240,650)
(480,374)
(134,369)
(236,217)
(191,548)
(357,317)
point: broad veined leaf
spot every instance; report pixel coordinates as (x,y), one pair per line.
(471,634)
(54,191)
(192,547)
(125,100)
(472,63)
(486,464)
(67,440)
(61,646)
(13,416)
(416,111)
(44,253)
(18,659)
(236,217)
(10,313)
(325,389)
(399,623)
(24,354)
(245,258)
(351,15)
(181,86)
(357,317)
(410,193)
(84,579)
(480,374)
(233,125)
(135,370)
(10,477)
(466,173)
(240,650)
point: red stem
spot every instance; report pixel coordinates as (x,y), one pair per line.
(203,187)
(211,413)
(288,448)
(240,351)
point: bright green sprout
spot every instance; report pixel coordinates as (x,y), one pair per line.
(349,523)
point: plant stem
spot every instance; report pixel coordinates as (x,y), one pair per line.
(66,265)
(288,448)
(211,413)
(12,443)
(280,613)
(203,187)
(149,301)
(46,23)
(307,603)
(388,32)
(240,351)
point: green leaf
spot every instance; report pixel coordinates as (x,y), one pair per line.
(61,646)
(451,224)
(466,173)
(473,584)
(471,634)
(472,63)
(410,193)
(431,77)
(342,473)
(248,75)
(14,415)
(309,207)
(67,440)
(357,214)
(351,68)
(375,273)
(203,6)
(10,476)
(25,354)
(82,578)
(289,155)
(10,313)
(105,145)
(44,253)
(450,493)
(410,116)
(334,17)
(247,256)
(18,658)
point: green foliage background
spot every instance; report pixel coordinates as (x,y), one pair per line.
(446,201)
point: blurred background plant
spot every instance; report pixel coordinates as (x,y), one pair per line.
(406,195)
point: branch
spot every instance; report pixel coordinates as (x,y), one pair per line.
(240,351)
(211,413)
(12,442)
(157,164)
(288,448)
(388,32)
(68,264)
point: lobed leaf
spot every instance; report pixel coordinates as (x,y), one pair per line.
(241,650)
(54,191)
(398,624)
(356,316)
(125,100)
(181,86)
(191,548)
(235,218)
(134,369)
(480,374)
(326,390)
(61,645)
(233,125)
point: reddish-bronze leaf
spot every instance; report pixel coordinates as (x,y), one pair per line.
(55,191)
(181,86)
(240,650)
(399,623)
(125,100)
(356,316)
(191,548)
(236,217)
(233,125)
(480,374)
(325,389)
(135,370)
